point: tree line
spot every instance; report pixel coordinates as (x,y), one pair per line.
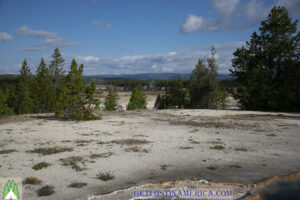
(265,76)
(201,91)
(50,90)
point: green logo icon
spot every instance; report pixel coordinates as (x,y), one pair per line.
(11,191)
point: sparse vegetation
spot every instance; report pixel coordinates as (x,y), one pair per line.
(185,147)
(46,191)
(8,151)
(136,148)
(101,155)
(74,161)
(32,181)
(164,167)
(77,185)
(53,150)
(105,176)
(130,141)
(218,147)
(241,149)
(40,165)
(212,168)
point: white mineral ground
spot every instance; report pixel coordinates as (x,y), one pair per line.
(221,146)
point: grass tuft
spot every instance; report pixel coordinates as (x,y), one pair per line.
(241,149)
(77,185)
(101,155)
(32,181)
(105,176)
(53,150)
(73,161)
(136,148)
(7,151)
(218,147)
(40,165)
(130,141)
(46,191)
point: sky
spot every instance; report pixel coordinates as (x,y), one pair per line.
(129,36)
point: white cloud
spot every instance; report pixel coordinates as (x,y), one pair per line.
(232,15)
(96,23)
(101,25)
(179,61)
(26,31)
(107,26)
(87,58)
(5,37)
(50,39)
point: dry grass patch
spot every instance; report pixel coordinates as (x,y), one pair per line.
(136,148)
(41,165)
(105,176)
(218,147)
(165,167)
(32,181)
(192,141)
(212,168)
(130,141)
(8,151)
(101,155)
(241,149)
(46,191)
(185,148)
(77,185)
(52,150)
(74,161)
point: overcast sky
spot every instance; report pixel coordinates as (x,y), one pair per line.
(129,36)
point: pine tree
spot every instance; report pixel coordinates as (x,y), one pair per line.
(176,94)
(267,68)
(45,99)
(200,89)
(56,70)
(111,100)
(23,95)
(4,108)
(91,103)
(70,101)
(137,99)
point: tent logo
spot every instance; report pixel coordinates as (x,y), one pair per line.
(10,191)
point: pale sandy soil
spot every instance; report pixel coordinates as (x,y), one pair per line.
(181,146)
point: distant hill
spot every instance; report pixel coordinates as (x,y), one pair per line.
(146,76)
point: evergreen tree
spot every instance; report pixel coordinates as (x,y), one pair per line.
(204,90)
(45,95)
(91,103)
(70,101)
(4,108)
(137,99)
(176,94)
(111,100)
(23,95)
(76,101)
(158,102)
(56,69)
(200,89)
(267,69)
